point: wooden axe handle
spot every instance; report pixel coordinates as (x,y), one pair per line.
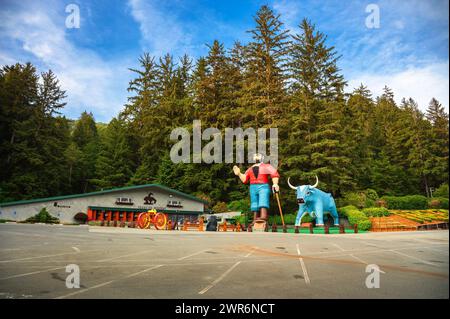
(279,207)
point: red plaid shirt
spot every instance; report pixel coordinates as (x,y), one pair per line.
(263,176)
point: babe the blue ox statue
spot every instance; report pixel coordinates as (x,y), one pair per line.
(314,202)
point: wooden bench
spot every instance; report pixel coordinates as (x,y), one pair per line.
(229,227)
(197,226)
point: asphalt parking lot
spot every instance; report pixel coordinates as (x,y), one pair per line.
(132,263)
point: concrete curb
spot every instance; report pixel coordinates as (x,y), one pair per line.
(137,231)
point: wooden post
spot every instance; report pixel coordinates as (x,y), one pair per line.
(284,229)
(311,230)
(296,230)
(249,228)
(341,229)
(274,226)
(326,229)
(355,228)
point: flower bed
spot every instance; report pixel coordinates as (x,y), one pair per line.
(423,216)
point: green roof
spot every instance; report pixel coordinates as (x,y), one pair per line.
(30,201)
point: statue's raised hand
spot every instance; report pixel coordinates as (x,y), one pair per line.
(236,170)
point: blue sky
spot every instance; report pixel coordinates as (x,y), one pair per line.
(408,52)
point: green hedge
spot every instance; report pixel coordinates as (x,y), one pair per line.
(361,199)
(438,202)
(406,202)
(355,216)
(43,217)
(441,191)
(289,219)
(307,219)
(376,211)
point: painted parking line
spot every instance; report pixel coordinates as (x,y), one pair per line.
(339,247)
(251,252)
(412,257)
(194,254)
(215,282)
(107,283)
(364,262)
(122,256)
(44,256)
(31,273)
(302,264)
(11,249)
(365,251)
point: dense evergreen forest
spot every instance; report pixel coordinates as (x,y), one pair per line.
(353,142)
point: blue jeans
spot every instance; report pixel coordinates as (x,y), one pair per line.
(259,196)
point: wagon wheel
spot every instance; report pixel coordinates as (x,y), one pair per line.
(144,220)
(160,221)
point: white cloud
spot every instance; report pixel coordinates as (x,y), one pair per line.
(420,83)
(92,83)
(160,29)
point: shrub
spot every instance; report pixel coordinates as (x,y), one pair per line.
(406,202)
(381,203)
(438,203)
(81,218)
(344,210)
(441,191)
(43,217)
(220,207)
(289,219)
(376,211)
(371,194)
(244,218)
(307,219)
(361,199)
(354,199)
(242,205)
(355,216)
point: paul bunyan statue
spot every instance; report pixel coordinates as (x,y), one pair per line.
(258,177)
